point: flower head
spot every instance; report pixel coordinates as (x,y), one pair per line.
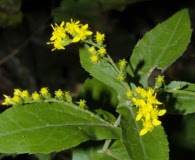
(24,94)
(72,26)
(58,44)
(147,105)
(58,31)
(59,37)
(122,64)
(44,91)
(17,92)
(82,103)
(36,96)
(99,38)
(8,100)
(121,77)
(94,58)
(65,34)
(59,94)
(159,81)
(81,33)
(129,93)
(16,99)
(102,51)
(147,126)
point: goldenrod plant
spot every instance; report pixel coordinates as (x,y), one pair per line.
(45,122)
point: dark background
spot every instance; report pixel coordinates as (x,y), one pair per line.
(27,62)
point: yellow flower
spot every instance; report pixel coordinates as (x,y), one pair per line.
(8,100)
(81,33)
(17,92)
(59,38)
(35,96)
(59,32)
(16,99)
(58,44)
(147,104)
(59,93)
(138,90)
(82,103)
(147,127)
(122,64)
(24,94)
(94,58)
(141,92)
(121,77)
(99,38)
(162,112)
(159,81)
(156,122)
(77,30)
(102,51)
(72,26)
(137,101)
(129,93)
(44,91)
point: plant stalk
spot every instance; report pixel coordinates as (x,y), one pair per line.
(107,142)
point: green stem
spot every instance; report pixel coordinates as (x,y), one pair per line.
(113,64)
(107,142)
(127,87)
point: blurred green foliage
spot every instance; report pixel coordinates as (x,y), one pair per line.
(73,8)
(10,13)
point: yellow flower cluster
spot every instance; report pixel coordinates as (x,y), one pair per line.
(72,32)
(23,97)
(147,104)
(122,69)
(100,50)
(65,34)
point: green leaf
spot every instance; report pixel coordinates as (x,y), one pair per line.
(45,128)
(106,115)
(98,91)
(180,98)
(102,71)
(117,151)
(161,46)
(153,145)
